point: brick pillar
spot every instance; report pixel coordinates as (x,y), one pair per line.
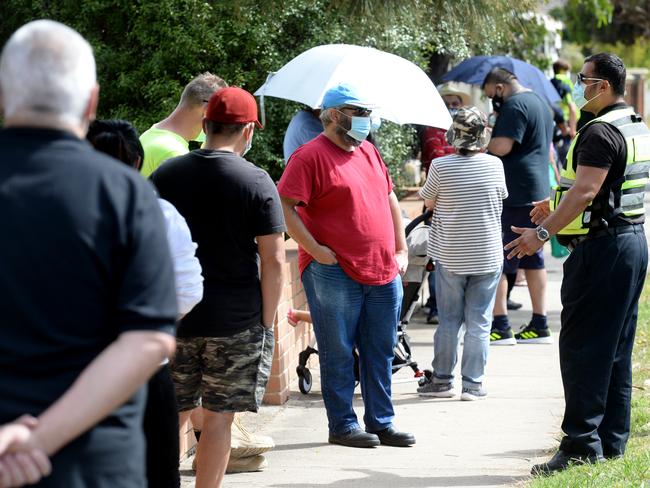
(289,341)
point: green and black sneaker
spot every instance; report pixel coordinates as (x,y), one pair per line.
(502,337)
(532,335)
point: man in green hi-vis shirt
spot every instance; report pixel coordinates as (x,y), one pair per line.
(170,137)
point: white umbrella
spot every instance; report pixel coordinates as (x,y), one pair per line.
(403,92)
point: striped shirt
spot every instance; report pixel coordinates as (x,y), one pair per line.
(466,228)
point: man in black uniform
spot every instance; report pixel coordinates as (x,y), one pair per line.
(598,212)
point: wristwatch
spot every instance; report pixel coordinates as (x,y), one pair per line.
(542,233)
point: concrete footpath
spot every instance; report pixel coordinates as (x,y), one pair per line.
(465,444)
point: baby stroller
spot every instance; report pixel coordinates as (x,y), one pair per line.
(417,236)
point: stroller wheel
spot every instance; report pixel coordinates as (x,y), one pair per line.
(304,381)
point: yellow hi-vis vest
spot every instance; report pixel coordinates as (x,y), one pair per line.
(626,194)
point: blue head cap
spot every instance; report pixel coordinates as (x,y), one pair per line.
(344,94)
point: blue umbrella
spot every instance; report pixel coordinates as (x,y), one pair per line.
(474,70)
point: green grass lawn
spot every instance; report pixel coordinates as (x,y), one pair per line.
(634,469)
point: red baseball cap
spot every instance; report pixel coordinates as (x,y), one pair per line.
(232,105)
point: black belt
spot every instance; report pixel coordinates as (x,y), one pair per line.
(609,231)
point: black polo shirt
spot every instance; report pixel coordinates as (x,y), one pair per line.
(83,258)
(601,145)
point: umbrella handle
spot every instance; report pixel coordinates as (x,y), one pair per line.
(262,105)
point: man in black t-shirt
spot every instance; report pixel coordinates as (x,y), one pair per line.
(599,210)
(522,139)
(225,344)
(87,293)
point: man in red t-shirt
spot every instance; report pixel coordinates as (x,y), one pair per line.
(339,206)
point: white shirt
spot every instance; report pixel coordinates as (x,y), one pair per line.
(187,269)
(466,227)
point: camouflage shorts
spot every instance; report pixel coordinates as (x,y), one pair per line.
(223,374)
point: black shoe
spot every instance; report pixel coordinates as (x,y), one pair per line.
(502,337)
(612,455)
(513,305)
(562,460)
(532,335)
(432,319)
(355,438)
(392,437)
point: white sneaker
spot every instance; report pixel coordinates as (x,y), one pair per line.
(242,465)
(473,394)
(247,464)
(245,444)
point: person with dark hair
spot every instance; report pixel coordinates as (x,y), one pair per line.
(598,212)
(119,139)
(522,139)
(225,344)
(170,138)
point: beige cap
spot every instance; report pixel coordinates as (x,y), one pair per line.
(457,89)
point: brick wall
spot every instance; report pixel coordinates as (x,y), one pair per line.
(289,341)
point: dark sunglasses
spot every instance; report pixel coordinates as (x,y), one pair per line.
(358,111)
(582,78)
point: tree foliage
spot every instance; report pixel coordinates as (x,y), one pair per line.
(619,27)
(148,50)
(606,21)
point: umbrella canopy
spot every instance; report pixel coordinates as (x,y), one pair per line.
(403,93)
(474,70)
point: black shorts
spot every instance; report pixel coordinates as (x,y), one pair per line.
(519,217)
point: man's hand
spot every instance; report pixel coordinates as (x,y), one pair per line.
(402,258)
(324,255)
(526,245)
(22,462)
(540,211)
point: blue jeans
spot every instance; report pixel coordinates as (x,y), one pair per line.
(463,299)
(348,314)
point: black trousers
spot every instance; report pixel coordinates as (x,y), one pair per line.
(161,432)
(603,279)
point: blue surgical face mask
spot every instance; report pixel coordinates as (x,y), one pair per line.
(579,95)
(452,112)
(359,126)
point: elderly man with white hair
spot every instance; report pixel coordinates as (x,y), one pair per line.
(87,286)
